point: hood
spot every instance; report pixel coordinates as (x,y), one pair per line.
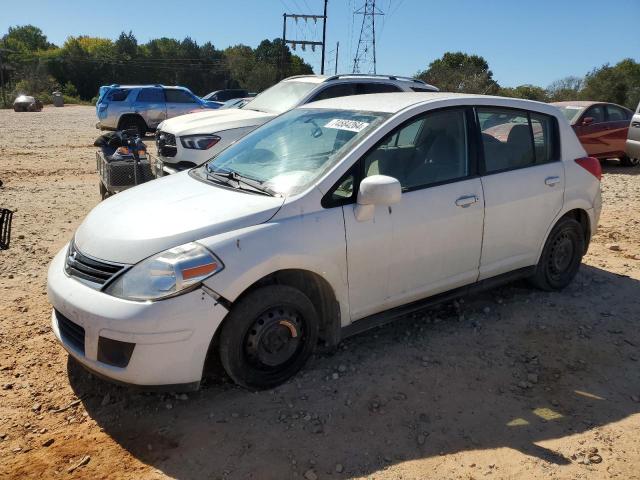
(165,213)
(212,121)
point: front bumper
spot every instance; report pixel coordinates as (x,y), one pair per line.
(171,337)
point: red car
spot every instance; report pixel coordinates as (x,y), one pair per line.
(601,127)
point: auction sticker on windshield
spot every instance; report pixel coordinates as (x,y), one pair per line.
(350,125)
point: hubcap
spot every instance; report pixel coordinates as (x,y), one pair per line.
(275,337)
(561,254)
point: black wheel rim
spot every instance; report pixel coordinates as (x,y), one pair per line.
(634,161)
(275,338)
(561,255)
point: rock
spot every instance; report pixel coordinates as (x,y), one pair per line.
(595,458)
(615,247)
(335,376)
(339,468)
(16,449)
(105,400)
(532,377)
(7,386)
(342,368)
(36,407)
(48,442)
(310,475)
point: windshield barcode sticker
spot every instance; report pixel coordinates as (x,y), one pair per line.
(350,125)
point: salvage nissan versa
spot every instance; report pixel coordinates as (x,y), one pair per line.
(331,218)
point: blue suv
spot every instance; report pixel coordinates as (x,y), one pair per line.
(143,107)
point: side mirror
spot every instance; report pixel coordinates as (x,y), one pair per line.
(588,120)
(376,190)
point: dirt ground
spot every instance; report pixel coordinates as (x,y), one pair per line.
(514,383)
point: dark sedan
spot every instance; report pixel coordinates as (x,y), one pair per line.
(601,128)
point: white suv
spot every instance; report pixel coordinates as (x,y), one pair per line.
(190,140)
(330,219)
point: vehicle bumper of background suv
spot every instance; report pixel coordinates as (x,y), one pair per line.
(149,344)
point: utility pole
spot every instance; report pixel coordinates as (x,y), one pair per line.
(324,36)
(335,71)
(303,43)
(366,51)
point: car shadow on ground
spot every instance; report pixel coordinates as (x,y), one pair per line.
(614,166)
(512,367)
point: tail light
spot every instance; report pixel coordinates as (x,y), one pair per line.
(591,165)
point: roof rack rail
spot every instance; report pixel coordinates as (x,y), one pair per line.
(371,75)
(301,76)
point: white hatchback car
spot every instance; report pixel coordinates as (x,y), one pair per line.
(332,218)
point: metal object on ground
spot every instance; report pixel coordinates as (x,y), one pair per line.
(118,175)
(5,228)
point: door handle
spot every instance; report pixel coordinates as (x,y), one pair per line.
(551,181)
(466,200)
(635,124)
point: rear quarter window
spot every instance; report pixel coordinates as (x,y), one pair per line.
(118,95)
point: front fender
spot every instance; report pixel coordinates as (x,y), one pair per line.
(314,242)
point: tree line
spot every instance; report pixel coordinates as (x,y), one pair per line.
(35,66)
(460,72)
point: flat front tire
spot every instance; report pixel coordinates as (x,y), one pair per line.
(268,336)
(561,256)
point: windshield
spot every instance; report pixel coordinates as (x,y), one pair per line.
(571,112)
(292,151)
(281,97)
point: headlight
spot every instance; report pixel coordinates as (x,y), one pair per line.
(199,142)
(166,274)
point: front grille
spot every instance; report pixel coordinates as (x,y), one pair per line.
(89,269)
(71,333)
(166,143)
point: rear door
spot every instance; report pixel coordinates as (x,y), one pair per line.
(150,104)
(633,139)
(618,119)
(179,102)
(523,182)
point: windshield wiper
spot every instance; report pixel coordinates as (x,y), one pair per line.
(254,185)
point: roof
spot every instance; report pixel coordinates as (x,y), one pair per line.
(395,102)
(577,103)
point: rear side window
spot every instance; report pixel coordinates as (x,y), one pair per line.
(616,114)
(516,139)
(118,95)
(151,95)
(179,96)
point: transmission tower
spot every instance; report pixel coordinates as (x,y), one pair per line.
(365,59)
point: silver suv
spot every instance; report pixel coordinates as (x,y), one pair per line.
(633,140)
(193,139)
(143,107)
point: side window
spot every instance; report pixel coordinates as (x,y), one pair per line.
(506,139)
(340,90)
(431,149)
(118,95)
(615,114)
(596,112)
(364,88)
(178,96)
(151,95)
(544,138)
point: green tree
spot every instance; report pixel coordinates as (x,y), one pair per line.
(565,89)
(460,72)
(529,92)
(618,84)
(26,39)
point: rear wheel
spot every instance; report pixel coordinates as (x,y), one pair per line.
(561,256)
(626,161)
(268,336)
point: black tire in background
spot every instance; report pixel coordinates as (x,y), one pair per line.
(627,161)
(561,256)
(268,336)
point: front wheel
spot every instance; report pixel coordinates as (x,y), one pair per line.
(627,161)
(561,256)
(268,336)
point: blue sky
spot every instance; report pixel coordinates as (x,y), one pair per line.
(523,41)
